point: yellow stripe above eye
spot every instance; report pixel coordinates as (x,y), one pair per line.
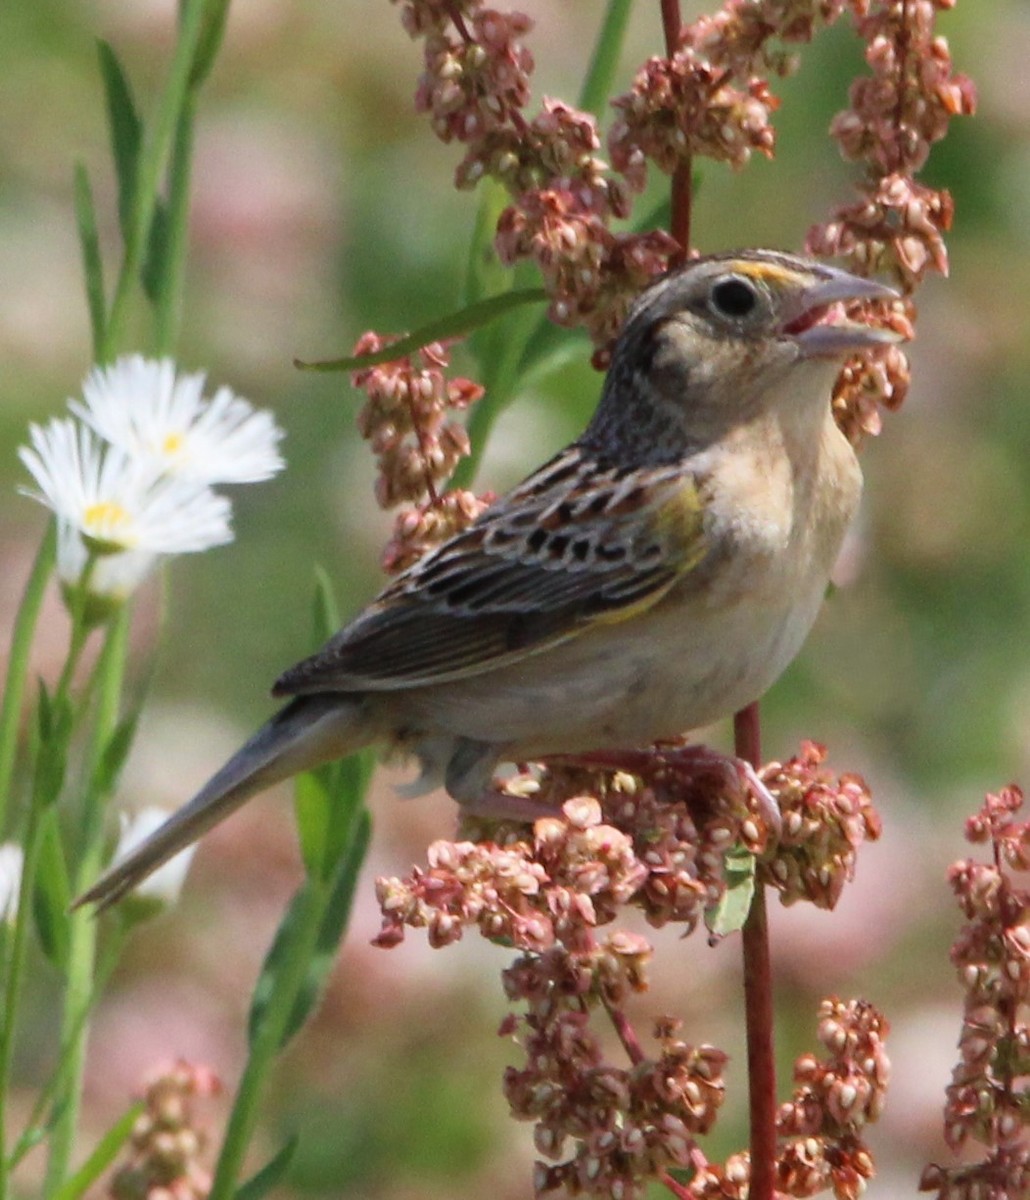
(762,270)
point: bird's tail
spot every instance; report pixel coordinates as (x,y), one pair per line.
(308,732)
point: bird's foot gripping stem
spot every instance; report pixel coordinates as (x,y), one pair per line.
(695,765)
(692,773)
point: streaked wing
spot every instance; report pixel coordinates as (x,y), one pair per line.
(574,545)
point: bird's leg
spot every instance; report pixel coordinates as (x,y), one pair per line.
(496,804)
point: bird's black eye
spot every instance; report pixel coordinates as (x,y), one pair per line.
(733,297)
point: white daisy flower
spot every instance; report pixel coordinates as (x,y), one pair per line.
(12,861)
(141,406)
(166,882)
(116,510)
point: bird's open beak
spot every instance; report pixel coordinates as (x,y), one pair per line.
(818,325)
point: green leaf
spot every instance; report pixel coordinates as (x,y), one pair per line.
(500,378)
(13,692)
(326,612)
(155,263)
(548,348)
(52,894)
(29,1140)
(604,62)
(262,1182)
(729,915)
(126,131)
(354,775)
(114,753)
(265,987)
(103,1155)
(312,808)
(55,718)
(212,30)
(659,216)
(92,263)
(44,712)
(168,247)
(486,275)
(332,923)
(455,324)
(325,799)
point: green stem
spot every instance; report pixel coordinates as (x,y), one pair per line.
(82,931)
(289,979)
(45,785)
(77,600)
(18,664)
(150,167)
(15,970)
(34,1128)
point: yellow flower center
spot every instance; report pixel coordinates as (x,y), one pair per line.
(105,513)
(172,444)
(107,527)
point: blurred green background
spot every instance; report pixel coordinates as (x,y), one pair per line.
(323,207)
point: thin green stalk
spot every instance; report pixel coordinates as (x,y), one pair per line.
(82,932)
(15,970)
(79,636)
(77,600)
(82,935)
(47,777)
(18,662)
(150,167)
(34,1129)
(297,955)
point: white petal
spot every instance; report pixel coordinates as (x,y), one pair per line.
(12,860)
(122,509)
(114,576)
(141,406)
(166,882)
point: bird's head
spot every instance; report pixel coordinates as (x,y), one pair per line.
(727,338)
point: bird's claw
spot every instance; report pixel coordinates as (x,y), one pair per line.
(691,758)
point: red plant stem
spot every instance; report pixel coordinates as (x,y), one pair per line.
(683,176)
(631,1044)
(627,1034)
(682,202)
(672,25)
(677,1189)
(902,44)
(1007,1006)
(459,23)
(758,1000)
